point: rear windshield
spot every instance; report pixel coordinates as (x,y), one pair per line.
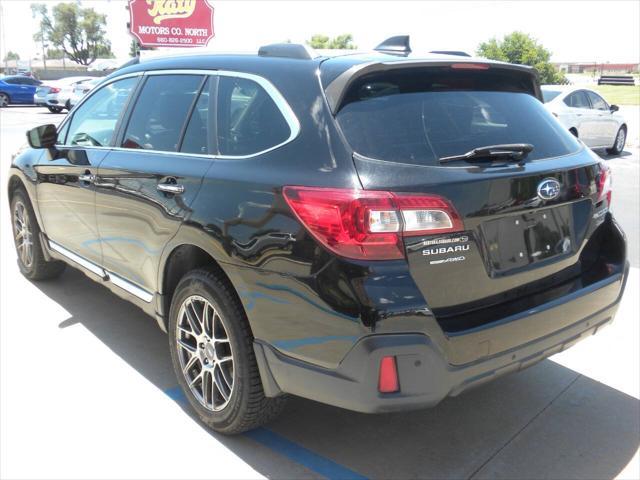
(549,95)
(417,117)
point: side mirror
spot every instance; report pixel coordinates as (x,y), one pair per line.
(614,108)
(44,136)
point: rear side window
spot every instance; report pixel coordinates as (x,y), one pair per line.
(94,122)
(418,117)
(549,95)
(249,121)
(198,133)
(161,111)
(578,100)
(597,102)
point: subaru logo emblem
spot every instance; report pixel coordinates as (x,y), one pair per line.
(548,189)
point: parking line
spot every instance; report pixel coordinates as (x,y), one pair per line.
(291,450)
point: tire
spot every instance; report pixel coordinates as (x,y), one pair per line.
(4,100)
(26,235)
(619,142)
(205,351)
(54,109)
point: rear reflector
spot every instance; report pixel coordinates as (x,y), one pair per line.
(369,225)
(388,378)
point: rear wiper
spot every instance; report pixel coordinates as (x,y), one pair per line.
(510,151)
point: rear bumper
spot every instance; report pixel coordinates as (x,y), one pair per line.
(427,374)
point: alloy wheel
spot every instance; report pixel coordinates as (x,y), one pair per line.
(205,353)
(4,100)
(620,139)
(23,234)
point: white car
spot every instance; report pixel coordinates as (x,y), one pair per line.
(588,116)
(60,92)
(81,89)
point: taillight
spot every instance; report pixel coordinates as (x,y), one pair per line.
(363,224)
(54,90)
(604,183)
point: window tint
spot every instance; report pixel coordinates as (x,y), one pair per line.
(95,120)
(10,81)
(197,135)
(578,100)
(31,81)
(597,102)
(419,117)
(161,111)
(62,134)
(549,95)
(249,121)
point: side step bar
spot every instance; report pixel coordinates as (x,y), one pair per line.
(105,275)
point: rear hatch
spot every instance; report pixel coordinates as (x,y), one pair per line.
(525,219)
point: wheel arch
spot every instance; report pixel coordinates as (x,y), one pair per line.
(179,260)
(7,94)
(15,182)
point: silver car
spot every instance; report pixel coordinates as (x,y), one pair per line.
(588,116)
(58,97)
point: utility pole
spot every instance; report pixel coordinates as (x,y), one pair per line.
(44,56)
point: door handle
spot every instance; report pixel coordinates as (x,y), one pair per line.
(100,184)
(87,177)
(171,188)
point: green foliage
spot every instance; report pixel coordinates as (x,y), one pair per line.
(54,54)
(521,48)
(78,32)
(135,47)
(11,56)
(341,42)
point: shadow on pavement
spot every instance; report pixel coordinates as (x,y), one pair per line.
(546,422)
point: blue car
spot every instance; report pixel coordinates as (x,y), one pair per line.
(17,89)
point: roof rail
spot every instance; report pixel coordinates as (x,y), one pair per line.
(287,50)
(451,52)
(398,45)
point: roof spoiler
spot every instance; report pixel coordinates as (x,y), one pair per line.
(337,88)
(457,53)
(287,50)
(398,45)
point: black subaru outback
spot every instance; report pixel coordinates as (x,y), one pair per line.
(372,231)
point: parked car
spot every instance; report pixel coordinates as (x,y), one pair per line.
(373,231)
(81,89)
(588,116)
(60,93)
(17,89)
(40,97)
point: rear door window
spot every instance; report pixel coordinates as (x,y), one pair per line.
(418,117)
(94,121)
(597,102)
(160,112)
(198,135)
(248,121)
(578,100)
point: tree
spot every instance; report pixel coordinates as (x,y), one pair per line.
(11,56)
(54,54)
(341,42)
(78,32)
(135,48)
(521,48)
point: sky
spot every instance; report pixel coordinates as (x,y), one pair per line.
(584,31)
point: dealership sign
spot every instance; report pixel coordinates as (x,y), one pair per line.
(171,23)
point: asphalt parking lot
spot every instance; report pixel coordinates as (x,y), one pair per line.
(87,391)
